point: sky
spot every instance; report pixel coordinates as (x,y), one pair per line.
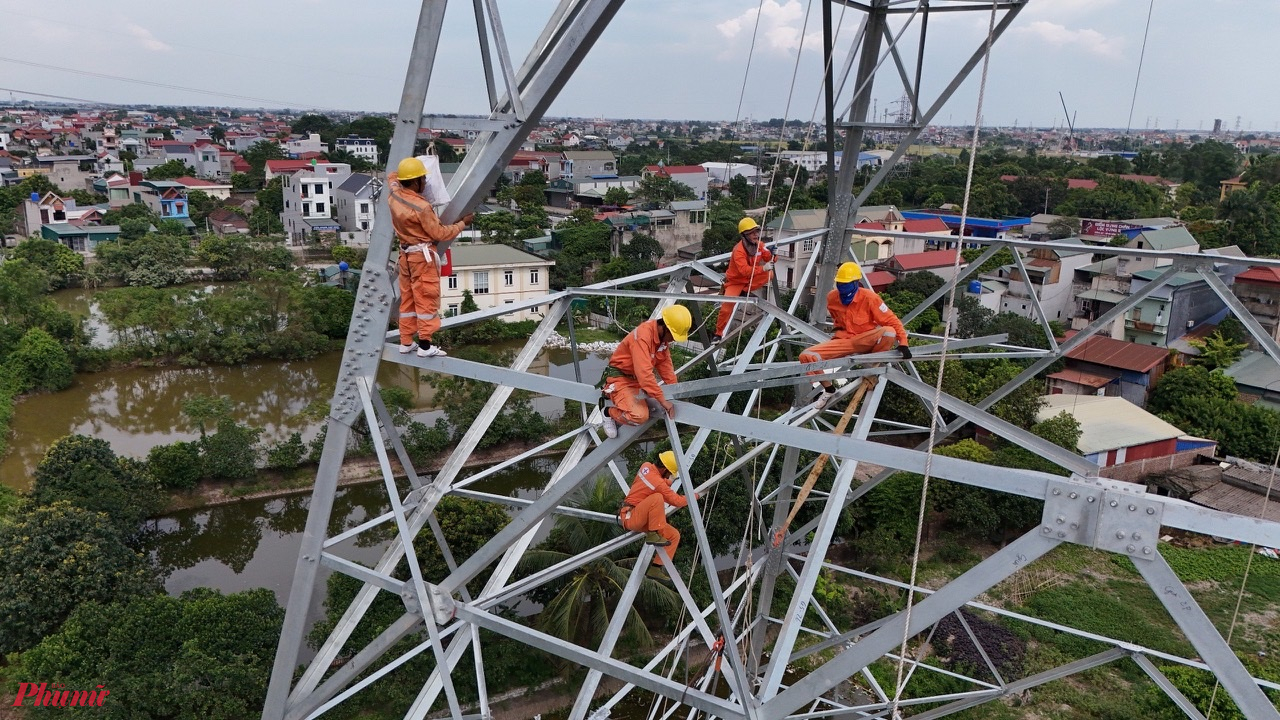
(659,59)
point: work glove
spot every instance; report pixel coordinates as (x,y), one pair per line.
(768,267)
(905,352)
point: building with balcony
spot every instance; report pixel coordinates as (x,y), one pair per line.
(495,275)
(1050,276)
(792,259)
(353,201)
(1259,289)
(587,163)
(308,200)
(166,198)
(363,148)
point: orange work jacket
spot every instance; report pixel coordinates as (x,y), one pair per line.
(649,481)
(747,270)
(640,354)
(413,218)
(865,313)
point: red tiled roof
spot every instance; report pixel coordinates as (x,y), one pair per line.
(1081,184)
(196,182)
(1081,378)
(880,279)
(1009,178)
(933,224)
(925,260)
(674,169)
(1118,354)
(1260,274)
(868,225)
(282,166)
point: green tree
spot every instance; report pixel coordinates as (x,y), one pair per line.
(60,263)
(661,189)
(231,453)
(169,170)
(217,133)
(175,466)
(132,211)
(271,196)
(243,182)
(287,454)
(153,260)
(1218,351)
(258,155)
(1180,385)
(328,309)
(55,557)
(86,472)
(199,205)
(311,123)
(616,196)
(40,363)
(202,655)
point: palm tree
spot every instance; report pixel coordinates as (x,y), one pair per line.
(584,602)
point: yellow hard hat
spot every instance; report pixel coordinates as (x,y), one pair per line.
(849,272)
(746,224)
(668,459)
(678,321)
(410,168)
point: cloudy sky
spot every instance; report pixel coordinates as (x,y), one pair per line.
(676,59)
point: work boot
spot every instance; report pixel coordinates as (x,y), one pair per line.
(654,538)
(610,427)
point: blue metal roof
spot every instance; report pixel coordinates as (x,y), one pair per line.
(953,220)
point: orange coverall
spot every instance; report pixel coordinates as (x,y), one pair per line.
(745,274)
(645,510)
(419,229)
(865,325)
(640,354)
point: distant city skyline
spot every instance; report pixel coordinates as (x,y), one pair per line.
(659,59)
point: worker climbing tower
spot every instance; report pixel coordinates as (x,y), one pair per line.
(778,653)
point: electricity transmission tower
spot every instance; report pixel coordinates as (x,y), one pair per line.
(766,631)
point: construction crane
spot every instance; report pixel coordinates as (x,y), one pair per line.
(1071,125)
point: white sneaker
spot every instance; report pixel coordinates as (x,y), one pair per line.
(433,351)
(406,349)
(610,427)
(823,398)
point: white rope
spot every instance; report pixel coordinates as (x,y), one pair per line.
(934,416)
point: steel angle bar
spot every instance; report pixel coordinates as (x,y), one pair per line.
(1167,687)
(363,574)
(784,643)
(366,525)
(944,291)
(498,311)
(1007,430)
(317,703)
(533,382)
(614,668)
(978,579)
(707,272)
(487,62)
(515,502)
(389,427)
(1259,333)
(788,320)
(543,506)
(1017,686)
(1035,300)
(991,667)
(498,595)
(660,295)
(504,60)
(1204,637)
(475,124)
(495,469)
(1207,521)
(743,379)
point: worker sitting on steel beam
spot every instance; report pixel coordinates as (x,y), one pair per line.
(639,361)
(750,267)
(861,322)
(644,510)
(419,229)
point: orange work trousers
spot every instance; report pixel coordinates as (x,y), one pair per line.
(419,296)
(629,406)
(878,339)
(651,516)
(727,309)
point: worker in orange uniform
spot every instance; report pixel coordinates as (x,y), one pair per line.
(750,267)
(644,509)
(639,361)
(862,324)
(419,229)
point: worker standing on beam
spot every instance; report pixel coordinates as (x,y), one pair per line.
(419,229)
(861,323)
(750,267)
(645,507)
(640,360)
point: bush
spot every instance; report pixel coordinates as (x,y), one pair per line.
(40,363)
(86,472)
(287,454)
(175,466)
(231,453)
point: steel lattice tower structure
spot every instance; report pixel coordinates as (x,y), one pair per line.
(1083,509)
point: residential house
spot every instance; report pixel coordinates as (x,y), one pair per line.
(225,221)
(1259,289)
(1257,378)
(495,275)
(108,163)
(216,190)
(5,139)
(166,198)
(792,259)
(238,142)
(363,148)
(687,227)
(50,209)
(296,147)
(68,172)
(869,248)
(1170,239)
(1131,370)
(588,163)
(939,262)
(115,187)
(308,200)
(82,239)
(571,193)
(1114,430)
(1050,275)
(720,173)
(276,168)
(353,201)
(1229,186)
(1183,302)
(183,152)
(208,159)
(996,228)
(693,176)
